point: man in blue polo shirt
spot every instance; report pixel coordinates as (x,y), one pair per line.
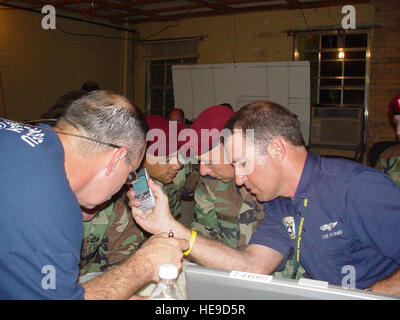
(339,218)
(47,174)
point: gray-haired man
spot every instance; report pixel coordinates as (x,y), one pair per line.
(51,172)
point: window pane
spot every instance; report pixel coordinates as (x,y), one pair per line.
(329,96)
(353,97)
(329,55)
(312,57)
(157,74)
(314,91)
(354,68)
(308,42)
(161,85)
(168,79)
(331,68)
(356,40)
(354,82)
(169,101)
(156,101)
(355,55)
(329,41)
(331,82)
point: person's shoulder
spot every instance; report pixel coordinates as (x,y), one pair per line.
(36,144)
(343,168)
(214,185)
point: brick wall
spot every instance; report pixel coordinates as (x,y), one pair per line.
(384,69)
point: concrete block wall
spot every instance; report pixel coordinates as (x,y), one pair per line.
(384,69)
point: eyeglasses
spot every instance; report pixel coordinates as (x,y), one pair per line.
(132,176)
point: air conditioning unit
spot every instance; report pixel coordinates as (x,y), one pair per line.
(336,126)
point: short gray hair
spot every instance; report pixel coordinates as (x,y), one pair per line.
(109,118)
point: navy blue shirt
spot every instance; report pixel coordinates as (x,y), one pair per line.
(40,218)
(351,222)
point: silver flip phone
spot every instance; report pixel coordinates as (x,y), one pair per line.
(142,190)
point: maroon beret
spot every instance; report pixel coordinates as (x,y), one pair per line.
(394,106)
(162,137)
(208,126)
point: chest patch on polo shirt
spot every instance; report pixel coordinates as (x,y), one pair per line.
(289,224)
(329,228)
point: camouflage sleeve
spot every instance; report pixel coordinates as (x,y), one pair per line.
(389,163)
(174,190)
(121,239)
(287,271)
(206,219)
(174,198)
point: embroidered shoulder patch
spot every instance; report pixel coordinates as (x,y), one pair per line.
(289,224)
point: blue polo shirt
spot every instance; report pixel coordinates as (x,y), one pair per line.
(40,217)
(351,222)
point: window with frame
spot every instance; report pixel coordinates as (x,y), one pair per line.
(161,56)
(160,90)
(338,65)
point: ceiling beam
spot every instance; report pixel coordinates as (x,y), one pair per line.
(221,8)
(120,12)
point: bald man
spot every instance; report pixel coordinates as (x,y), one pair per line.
(177,115)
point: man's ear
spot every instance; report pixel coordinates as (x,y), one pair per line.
(277,149)
(116,156)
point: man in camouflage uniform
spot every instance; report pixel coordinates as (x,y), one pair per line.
(163,164)
(389,163)
(389,160)
(224,211)
(112,235)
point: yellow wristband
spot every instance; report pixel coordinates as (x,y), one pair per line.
(191,243)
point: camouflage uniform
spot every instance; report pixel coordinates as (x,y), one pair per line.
(389,163)
(191,181)
(225,212)
(174,189)
(230,214)
(110,238)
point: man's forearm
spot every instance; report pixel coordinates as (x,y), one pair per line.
(214,254)
(389,285)
(121,282)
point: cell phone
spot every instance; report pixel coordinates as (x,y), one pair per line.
(142,190)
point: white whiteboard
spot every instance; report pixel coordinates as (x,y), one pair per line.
(197,87)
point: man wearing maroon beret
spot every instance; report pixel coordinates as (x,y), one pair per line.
(223,211)
(161,159)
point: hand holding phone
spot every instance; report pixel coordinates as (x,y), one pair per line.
(158,218)
(142,190)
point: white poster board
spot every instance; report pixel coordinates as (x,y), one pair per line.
(197,87)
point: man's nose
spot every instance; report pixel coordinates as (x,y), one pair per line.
(239,179)
(204,169)
(177,165)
